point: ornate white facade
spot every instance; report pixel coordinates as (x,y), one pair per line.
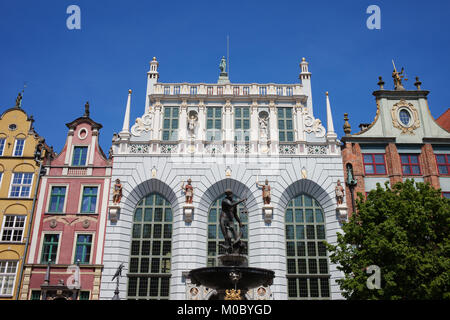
(224,135)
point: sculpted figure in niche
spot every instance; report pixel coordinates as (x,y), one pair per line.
(192,123)
(339,193)
(117,193)
(188,190)
(263,127)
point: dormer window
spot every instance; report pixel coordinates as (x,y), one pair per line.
(79,156)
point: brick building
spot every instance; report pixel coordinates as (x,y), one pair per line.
(404,141)
(66,249)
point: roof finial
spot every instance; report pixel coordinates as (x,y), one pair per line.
(381,82)
(19,100)
(418,83)
(20,96)
(347,127)
(86,110)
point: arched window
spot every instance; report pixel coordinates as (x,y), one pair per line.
(215,237)
(306,254)
(149,269)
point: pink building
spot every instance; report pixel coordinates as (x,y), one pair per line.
(65,254)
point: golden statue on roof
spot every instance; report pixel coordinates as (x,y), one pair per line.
(398,77)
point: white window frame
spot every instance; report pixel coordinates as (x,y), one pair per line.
(15,146)
(21,184)
(57,249)
(49,197)
(3,148)
(80,201)
(13,228)
(4,275)
(73,152)
(74,249)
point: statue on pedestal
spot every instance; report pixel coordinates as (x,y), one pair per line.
(223,65)
(265,191)
(117,193)
(398,77)
(188,191)
(339,193)
(226,219)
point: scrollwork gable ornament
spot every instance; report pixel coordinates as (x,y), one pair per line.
(414,121)
(314,125)
(142,124)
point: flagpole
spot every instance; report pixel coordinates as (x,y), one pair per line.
(228,55)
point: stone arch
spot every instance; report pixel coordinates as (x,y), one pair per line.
(9,254)
(312,189)
(16,208)
(218,188)
(20,136)
(147,187)
(240,190)
(24,167)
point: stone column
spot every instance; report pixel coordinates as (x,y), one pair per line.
(254,127)
(201,130)
(182,124)
(157,121)
(273,125)
(228,127)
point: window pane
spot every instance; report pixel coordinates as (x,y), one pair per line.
(404,158)
(443,169)
(415,169)
(414,159)
(368,158)
(440,158)
(379,158)
(369,169)
(406,170)
(381,169)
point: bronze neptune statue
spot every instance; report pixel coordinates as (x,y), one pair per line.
(227,216)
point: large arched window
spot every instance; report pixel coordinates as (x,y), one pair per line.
(307,263)
(215,237)
(149,271)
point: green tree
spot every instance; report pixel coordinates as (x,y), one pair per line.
(405,231)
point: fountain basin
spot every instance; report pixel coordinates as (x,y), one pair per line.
(218,278)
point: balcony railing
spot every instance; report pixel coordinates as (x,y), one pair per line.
(236,90)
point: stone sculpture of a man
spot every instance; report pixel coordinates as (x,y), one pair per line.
(188,191)
(117,193)
(265,191)
(339,193)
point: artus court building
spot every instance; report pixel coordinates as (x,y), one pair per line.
(224,136)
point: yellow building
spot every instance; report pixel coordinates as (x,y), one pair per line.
(20,147)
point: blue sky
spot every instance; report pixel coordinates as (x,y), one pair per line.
(110,54)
